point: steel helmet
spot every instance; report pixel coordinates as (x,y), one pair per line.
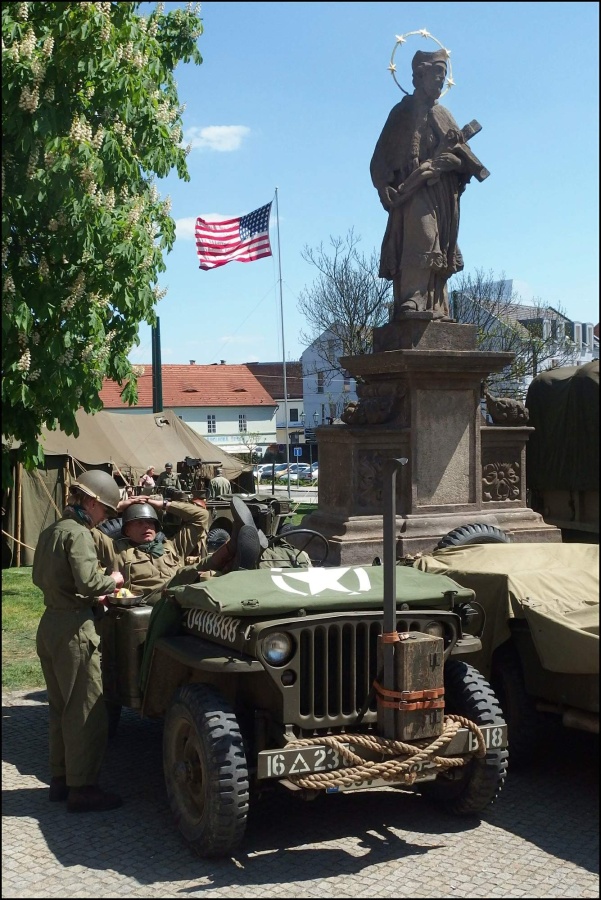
(139,511)
(101,486)
(168,465)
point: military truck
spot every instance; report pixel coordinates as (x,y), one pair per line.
(540,631)
(562,455)
(314,680)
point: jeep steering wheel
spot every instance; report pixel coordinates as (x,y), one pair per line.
(310,536)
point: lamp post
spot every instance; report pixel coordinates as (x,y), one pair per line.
(302,418)
(315,424)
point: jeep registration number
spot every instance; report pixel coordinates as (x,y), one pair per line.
(301,761)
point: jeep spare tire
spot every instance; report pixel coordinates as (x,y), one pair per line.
(476,533)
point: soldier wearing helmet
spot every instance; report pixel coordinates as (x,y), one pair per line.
(168,479)
(66,569)
(142,553)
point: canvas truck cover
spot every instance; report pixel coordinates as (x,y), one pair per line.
(562,453)
(555,587)
(269,592)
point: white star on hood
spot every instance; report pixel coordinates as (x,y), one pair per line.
(318,580)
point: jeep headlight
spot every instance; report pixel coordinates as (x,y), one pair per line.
(435,629)
(277,648)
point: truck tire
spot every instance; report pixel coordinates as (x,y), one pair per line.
(216,537)
(474,533)
(468,790)
(206,773)
(525,726)
(111,527)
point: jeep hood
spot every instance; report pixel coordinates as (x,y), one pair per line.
(276,592)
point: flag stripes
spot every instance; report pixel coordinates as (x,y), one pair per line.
(243,239)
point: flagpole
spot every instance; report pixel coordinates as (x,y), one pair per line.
(277,219)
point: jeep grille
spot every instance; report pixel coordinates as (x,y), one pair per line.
(337,665)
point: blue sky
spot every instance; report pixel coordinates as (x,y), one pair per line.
(294,96)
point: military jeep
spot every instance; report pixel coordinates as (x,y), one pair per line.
(316,681)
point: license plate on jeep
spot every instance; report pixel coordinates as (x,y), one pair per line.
(321,758)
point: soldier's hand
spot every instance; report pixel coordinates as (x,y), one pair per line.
(118,579)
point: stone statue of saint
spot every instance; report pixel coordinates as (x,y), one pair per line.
(420,167)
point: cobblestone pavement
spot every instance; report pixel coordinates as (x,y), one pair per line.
(539,840)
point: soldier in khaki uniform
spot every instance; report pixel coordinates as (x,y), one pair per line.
(146,559)
(168,479)
(66,569)
(219,485)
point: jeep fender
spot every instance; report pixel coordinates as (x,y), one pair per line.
(180,659)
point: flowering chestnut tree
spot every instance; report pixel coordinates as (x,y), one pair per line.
(91,118)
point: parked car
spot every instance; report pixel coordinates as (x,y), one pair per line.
(277,469)
(296,472)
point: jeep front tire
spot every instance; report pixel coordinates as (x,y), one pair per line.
(471,788)
(206,773)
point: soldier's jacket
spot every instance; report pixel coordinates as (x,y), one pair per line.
(219,486)
(167,480)
(66,569)
(141,570)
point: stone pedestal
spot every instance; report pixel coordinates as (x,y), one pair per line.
(421,401)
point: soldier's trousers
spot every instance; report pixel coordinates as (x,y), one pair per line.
(68,646)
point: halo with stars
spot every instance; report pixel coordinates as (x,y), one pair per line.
(402,38)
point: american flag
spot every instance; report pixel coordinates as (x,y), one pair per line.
(245,239)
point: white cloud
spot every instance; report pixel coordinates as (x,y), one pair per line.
(223,138)
(184,228)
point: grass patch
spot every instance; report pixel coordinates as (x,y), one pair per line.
(303,510)
(22,608)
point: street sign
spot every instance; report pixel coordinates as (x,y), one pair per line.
(298,451)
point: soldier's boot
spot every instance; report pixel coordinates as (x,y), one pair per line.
(59,791)
(221,557)
(91,798)
(248,549)
(243,516)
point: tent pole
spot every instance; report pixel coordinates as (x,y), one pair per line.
(19,479)
(65,482)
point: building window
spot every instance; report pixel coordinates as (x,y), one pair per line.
(320,382)
(211,424)
(242,422)
(347,382)
(294,415)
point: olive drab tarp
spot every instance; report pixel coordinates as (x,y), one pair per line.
(555,587)
(563,451)
(278,592)
(129,442)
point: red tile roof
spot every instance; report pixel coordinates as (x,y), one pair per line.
(192,385)
(271,376)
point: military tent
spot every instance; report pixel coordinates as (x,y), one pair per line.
(122,443)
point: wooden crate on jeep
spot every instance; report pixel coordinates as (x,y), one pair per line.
(418,696)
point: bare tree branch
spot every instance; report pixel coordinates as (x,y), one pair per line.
(346,301)
(535,332)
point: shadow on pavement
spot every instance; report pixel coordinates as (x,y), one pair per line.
(557,797)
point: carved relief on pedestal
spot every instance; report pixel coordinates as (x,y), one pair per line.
(501,481)
(379,403)
(370,478)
